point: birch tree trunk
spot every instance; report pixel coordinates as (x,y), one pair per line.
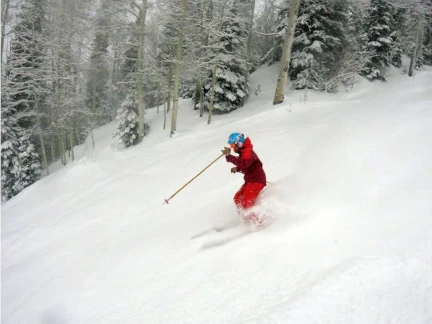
(286,53)
(165,114)
(418,46)
(4,18)
(177,70)
(140,88)
(169,89)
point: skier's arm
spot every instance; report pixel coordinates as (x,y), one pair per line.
(239,162)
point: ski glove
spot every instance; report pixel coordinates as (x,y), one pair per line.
(234,170)
(226,151)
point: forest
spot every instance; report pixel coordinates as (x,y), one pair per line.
(71,66)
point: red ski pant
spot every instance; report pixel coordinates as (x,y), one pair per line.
(247,195)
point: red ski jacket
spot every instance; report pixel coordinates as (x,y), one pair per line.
(248,163)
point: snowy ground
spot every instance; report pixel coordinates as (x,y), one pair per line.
(351,198)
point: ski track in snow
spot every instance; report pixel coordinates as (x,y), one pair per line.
(348,208)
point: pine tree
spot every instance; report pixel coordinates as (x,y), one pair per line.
(320,38)
(9,152)
(20,163)
(378,39)
(231,87)
(128,128)
(29,166)
(23,89)
(396,49)
(127,114)
(427,49)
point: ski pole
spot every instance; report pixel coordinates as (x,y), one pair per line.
(172,196)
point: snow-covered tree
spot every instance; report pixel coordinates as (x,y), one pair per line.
(29,167)
(320,39)
(227,88)
(265,41)
(397,48)
(23,91)
(427,48)
(378,39)
(280,30)
(20,163)
(9,152)
(127,131)
(98,74)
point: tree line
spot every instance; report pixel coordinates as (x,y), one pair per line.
(70,66)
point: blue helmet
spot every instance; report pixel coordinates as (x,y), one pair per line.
(236,138)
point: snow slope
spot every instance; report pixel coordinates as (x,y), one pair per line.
(350,197)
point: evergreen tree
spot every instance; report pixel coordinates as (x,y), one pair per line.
(20,163)
(427,50)
(127,114)
(378,39)
(231,87)
(23,89)
(319,40)
(9,152)
(29,166)
(128,128)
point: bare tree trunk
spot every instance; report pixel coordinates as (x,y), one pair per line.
(177,70)
(286,53)
(201,102)
(4,18)
(249,43)
(165,114)
(94,114)
(197,94)
(42,140)
(62,148)
(39,121)
(92,137)
(169,88)
(64,140)
(71,143)
(418,46)
(213,88)
(141,103)
(52,147)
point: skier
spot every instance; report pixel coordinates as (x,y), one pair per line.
(250,165)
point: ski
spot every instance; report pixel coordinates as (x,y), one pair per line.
(214,229)
(225,240)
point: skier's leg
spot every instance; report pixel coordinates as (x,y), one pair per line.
(238,197)
(250,196)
